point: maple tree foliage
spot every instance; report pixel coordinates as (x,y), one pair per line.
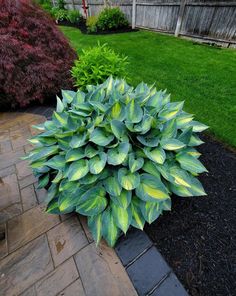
(35,57)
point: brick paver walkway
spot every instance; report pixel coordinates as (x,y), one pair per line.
(42,254)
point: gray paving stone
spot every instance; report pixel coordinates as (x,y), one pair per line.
(75,289)
(66,239)
(23,170)
(29,292)
(132,245)
(102,273)
(58,279)
(147,271)
(10,212)
(3,240)
(10,158)
(21,269)
(28,198)
(170,287)
(9,191)
(28,226)
(26,181)
(7,171)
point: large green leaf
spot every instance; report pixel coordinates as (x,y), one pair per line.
(134,112)
(157,155)
(117,111)
(145,125)
(151,189)
(170,110)
(97,163)
(148,141)
(112,185)
(100,137)
(60,106)
(151,168)
(95,226)
(116,156)
(43,152)
(56,162)
(60,118)
(109,229)
(135,163)
(122,217)
(78,140)
(93,202)
(68,96)
(78,170)
(74,154)
(195,190)
(118,128)
(128,180)
(123,200)
(171,144)
(185,136)
(43,181)
(198,126)
(150,211)
(52,207)
(137,218)
(181,177)
(169,129)
(190,163)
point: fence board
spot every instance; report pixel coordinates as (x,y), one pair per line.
(211,19)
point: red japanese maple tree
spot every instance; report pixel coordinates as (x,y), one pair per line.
(35,57)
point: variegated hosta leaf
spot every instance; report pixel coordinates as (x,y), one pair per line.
(115,154)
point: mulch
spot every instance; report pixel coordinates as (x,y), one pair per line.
(197,238)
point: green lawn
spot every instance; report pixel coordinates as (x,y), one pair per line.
(203,76)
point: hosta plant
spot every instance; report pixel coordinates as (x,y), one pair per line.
(115,154)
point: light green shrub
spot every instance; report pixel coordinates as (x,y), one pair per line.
(96,64)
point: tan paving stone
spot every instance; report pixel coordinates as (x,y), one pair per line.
(10,212)
(29,180)
(28,198)
(9,191)
(28,148)
(23,169)
(66,239)
(3,240)
(29,292)
(5,146)
(58,279)
(24,267)
(75,289)
(10,158)
(19,137)
(28,226)
(98,275)
(7,171)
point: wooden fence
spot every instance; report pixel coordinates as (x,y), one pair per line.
(210,20)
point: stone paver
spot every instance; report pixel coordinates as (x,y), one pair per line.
(58,279)
(28,226)
(27,265)
(3,240)
(28,198)
(66,239)
(23,170)
(75,289)
(100,274)
(42,254)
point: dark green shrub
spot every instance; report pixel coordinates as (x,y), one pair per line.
(111,19)
(116,154)
(91,24)
(74,16)
(97,64)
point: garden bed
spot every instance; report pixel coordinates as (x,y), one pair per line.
(198,237)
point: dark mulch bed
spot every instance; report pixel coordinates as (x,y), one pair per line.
(198,237)
(83,28)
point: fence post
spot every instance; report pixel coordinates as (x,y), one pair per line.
(133,14)
(73,4)
(180,17)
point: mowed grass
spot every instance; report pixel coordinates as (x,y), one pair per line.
(203,76)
